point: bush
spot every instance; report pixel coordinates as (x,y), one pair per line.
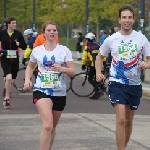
(71,42)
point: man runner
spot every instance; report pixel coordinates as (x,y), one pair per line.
(11,39)
(124,89)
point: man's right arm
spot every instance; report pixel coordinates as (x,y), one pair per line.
(99,63)
(104,51)
(98,67)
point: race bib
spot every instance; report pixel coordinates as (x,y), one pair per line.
(51,80)
(11,54)
(127,51)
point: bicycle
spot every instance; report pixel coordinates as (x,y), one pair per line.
(68,83)
(80,85)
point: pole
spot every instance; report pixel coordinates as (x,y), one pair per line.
(142,29)
(34,21)
(142,15)
(4,14)
(87,16)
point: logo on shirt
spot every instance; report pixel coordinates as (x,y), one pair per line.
(48,63)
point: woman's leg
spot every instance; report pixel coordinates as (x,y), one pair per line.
(56,116)
(44,106)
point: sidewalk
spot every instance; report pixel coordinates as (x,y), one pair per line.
(145,85)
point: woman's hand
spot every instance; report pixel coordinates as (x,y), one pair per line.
(58,67)
(27,85)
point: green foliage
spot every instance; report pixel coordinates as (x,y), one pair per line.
(101,12)
(71,45)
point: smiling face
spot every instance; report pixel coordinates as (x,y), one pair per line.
(126,20)
(12,25)
(51,32)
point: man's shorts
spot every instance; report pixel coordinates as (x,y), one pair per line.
(59,102)
(125,94)
(10,67)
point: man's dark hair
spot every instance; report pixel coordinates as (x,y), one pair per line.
(80,33)
(9,20)
(126,7)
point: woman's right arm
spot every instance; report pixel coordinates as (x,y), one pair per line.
(29,71)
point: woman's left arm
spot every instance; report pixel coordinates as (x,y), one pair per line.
(69,69)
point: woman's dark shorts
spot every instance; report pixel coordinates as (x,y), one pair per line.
(59,102)
(125,94)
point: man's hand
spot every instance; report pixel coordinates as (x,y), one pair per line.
(100,77)
(1,54)
(143,65)
(17,43)
(83,67)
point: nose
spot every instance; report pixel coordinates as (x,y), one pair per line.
(127,19)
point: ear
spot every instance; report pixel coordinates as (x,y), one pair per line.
(133,20)
(119,20)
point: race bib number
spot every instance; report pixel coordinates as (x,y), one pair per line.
(11,54)
(51,80)
(127,51)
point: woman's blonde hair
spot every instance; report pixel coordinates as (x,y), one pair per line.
(47,23)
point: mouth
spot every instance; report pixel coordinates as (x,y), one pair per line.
(127,25)
(51,36)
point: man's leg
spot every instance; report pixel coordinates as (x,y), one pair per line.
(8,84)
(120,126)
(128,124)
(4,90)
(98,91)
(78,55)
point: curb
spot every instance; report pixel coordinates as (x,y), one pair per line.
(145,90)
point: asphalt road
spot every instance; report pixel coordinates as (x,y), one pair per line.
(21,103)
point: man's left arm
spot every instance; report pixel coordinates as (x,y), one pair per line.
(22,43)
(146,53)
(148,62)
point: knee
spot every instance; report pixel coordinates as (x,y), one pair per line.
(121,121)
(128,122)
(9,80)
(54,131)
(48,127)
